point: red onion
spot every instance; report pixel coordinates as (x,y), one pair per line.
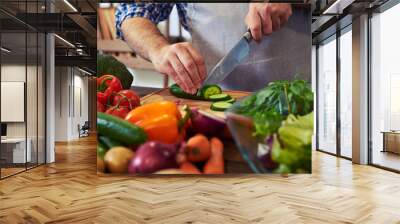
(153,156)
(206,123)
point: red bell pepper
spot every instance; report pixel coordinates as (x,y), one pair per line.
(100,107)
(106,86)
(102,98)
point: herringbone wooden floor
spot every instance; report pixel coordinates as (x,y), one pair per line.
(70,191)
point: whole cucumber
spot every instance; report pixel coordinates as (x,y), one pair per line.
(101,150)
(120,130)
(108,142)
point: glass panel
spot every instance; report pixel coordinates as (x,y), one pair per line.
(346,94)
(385,89)
(327,96)
(13,85)
(23,88)
(32,86)
(41,99)
(31,97)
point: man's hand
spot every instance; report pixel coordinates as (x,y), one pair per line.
(264,18)
(183,63)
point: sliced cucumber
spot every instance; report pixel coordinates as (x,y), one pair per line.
(178,92)
(209,90)
(220,106)
(220,97)
(231,100)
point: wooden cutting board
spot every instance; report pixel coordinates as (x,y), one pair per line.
(164,94)
(234,163)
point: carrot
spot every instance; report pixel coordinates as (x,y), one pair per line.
(215,165)
(189,168)
(198,148)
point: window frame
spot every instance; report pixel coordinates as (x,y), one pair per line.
(31,30)
(333,37)
(378,10)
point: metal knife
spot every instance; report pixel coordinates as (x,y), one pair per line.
(234,57)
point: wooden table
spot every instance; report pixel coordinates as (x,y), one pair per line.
(391,141)
(234,161)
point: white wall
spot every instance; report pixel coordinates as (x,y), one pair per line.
(33,127)
(12,73)
(61,103)
(80,96)
(70,83)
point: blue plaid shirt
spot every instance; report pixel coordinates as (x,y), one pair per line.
(155,12)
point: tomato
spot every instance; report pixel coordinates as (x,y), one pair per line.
(100,107)
(126,98)
(118,111)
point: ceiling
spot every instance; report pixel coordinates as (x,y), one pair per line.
(39,6)
(332,15)
(72,20)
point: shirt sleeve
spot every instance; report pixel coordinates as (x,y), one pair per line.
(155,12)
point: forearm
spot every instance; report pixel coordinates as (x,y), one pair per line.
(181,61)
(143,36)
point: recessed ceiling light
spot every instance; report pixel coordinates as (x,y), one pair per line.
(64,40)
(86,72)
(70,5)
(337,7)
(5,50)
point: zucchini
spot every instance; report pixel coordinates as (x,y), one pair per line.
(178,92)
(120,130)
(101,150)
(209,90)
(108,142)
(220,106)
(220,97)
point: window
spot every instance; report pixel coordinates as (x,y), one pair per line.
(327,95)
(346,92)
(385,89)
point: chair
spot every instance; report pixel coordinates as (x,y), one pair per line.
(84,130)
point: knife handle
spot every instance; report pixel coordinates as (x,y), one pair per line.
(248,36)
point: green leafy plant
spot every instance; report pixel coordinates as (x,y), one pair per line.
(271,105)
(292,146)
(283,110)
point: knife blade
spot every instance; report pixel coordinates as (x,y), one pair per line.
(234,57)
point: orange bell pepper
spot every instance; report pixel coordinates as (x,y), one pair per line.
(152,110)
(162,128)
(160,121)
